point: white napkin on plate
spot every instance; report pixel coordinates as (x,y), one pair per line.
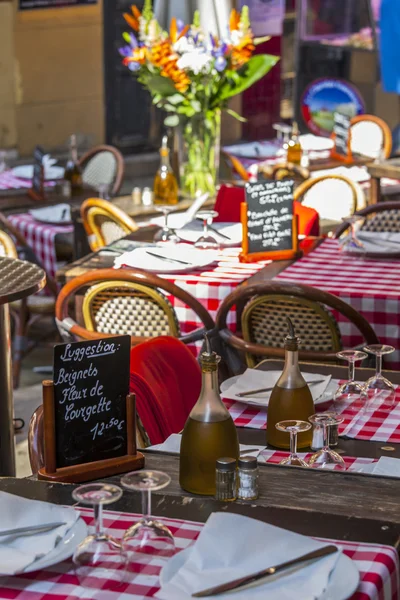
(253,379)
(380,241)
(59,213)
(17,553)
(387,466)
(173,444)
(232,546)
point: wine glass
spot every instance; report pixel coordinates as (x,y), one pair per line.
(293,427)
(350,393)
(378,386)
(99,556)
(166,234)
(207,241)
(104,191)
(351,244)
(149,536)
(326,456)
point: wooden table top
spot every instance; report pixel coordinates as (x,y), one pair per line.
(387,168)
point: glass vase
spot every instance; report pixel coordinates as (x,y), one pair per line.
(199,148)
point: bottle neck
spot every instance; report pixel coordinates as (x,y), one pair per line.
(209,407)
(73,153)
(291,376)
(165,164)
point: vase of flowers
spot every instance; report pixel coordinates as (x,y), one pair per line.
(192,75)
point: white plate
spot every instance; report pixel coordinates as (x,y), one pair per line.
(64,549)
(140,259)
(343,582)
(315,143)
(260,401)
(60,214)
(26,172)
(193,230)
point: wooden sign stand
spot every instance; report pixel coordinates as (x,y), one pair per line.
(132,461)
(245,257)
(348,159)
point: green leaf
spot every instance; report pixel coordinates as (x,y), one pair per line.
(236,116)
(126,37)
(256,68)
(171,121)
(158,84)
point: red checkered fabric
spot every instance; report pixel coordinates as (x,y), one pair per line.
(370,286)
(275,457)
(41,238)
(378,566)
(8,181)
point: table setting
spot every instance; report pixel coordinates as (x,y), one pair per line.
(20,177)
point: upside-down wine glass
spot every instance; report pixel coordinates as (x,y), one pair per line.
(99,555)
(207,241)
(378,387)
(350,395)
(351,244)
(293,428)
(149,536)
(166,234)
(326,456)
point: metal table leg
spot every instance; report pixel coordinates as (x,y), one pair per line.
(7,445)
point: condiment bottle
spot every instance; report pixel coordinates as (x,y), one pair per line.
(291,398)
(209,432)
(73,172)
(165,183)
(247,478)
(225,479)
(294,151)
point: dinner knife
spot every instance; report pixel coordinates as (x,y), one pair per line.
(223,235)
(242,581)
(31,529)
(269,389)
(171,260)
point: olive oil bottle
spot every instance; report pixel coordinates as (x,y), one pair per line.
(294,150)
(209,433)
(73,172)
(290,399)
(165,183)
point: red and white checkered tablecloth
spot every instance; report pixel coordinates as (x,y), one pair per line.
(274,457)
(381,424)
(378,566)
(370,286)
(8,181)
(41,238)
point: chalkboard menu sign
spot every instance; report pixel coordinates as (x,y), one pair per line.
(269,224)
(31,4)
(341,136)
(37,189)
(87,410)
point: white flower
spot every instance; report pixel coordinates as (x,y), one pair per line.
(183,45)
(236,37)
(196,61)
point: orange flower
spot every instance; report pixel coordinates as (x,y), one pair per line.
(162,56)
(242,53)
(234,20)
(173,31)
(133,19)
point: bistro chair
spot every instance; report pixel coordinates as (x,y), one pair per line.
(27,312)
(370,136)
(282,171)
(235,166)
(384,216)
(105,223)
(127,302)
(264,327)
(103,165)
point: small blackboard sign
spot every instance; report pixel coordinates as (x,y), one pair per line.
(341,133)
(37,189)
(91,383)
(269,225)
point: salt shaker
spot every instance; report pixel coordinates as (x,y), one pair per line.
(225,479)
(137,196)
(147,197)
(318,437)
(248,478)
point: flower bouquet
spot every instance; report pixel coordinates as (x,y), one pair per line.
(192,76)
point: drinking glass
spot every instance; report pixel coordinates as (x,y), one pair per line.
(326,456)
(104,191)
(3,164)
(207,241)
(149,536)
(293,427)
(99,555)
(350,394)
(166,234)
(378,386)
(351,244)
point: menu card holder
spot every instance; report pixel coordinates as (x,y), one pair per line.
(37,192)
(90,471)
(341,135)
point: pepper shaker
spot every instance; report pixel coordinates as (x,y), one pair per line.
(225,479)
(248,478)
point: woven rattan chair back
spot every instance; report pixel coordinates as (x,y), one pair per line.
(282,171)
(103,165)
(370,136)
(264,322)
(125,308)
(332,196)
(384,216)
(7,246)
(105,223)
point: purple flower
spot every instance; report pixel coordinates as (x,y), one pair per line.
(220,63)
(125,51)
(134,66)
(180,25)
(134,42)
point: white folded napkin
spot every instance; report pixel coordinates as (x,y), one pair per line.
(17,553)
(173,444)
(380,241)
(177,220)
(232,546)
(387,466)
(59,213)
(256,379)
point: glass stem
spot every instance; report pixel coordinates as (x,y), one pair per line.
(205,231)
(98,519)
(146,505)
(352,370)
(166,220)
(379,365)
(326,436)
(293,443)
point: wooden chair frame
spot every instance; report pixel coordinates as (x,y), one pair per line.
(271,171)
(135,276)
(387,134)
(96,207)
(246,291)
(8,245)
(369,210)
(303,188)
(119,176)
(235,165)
